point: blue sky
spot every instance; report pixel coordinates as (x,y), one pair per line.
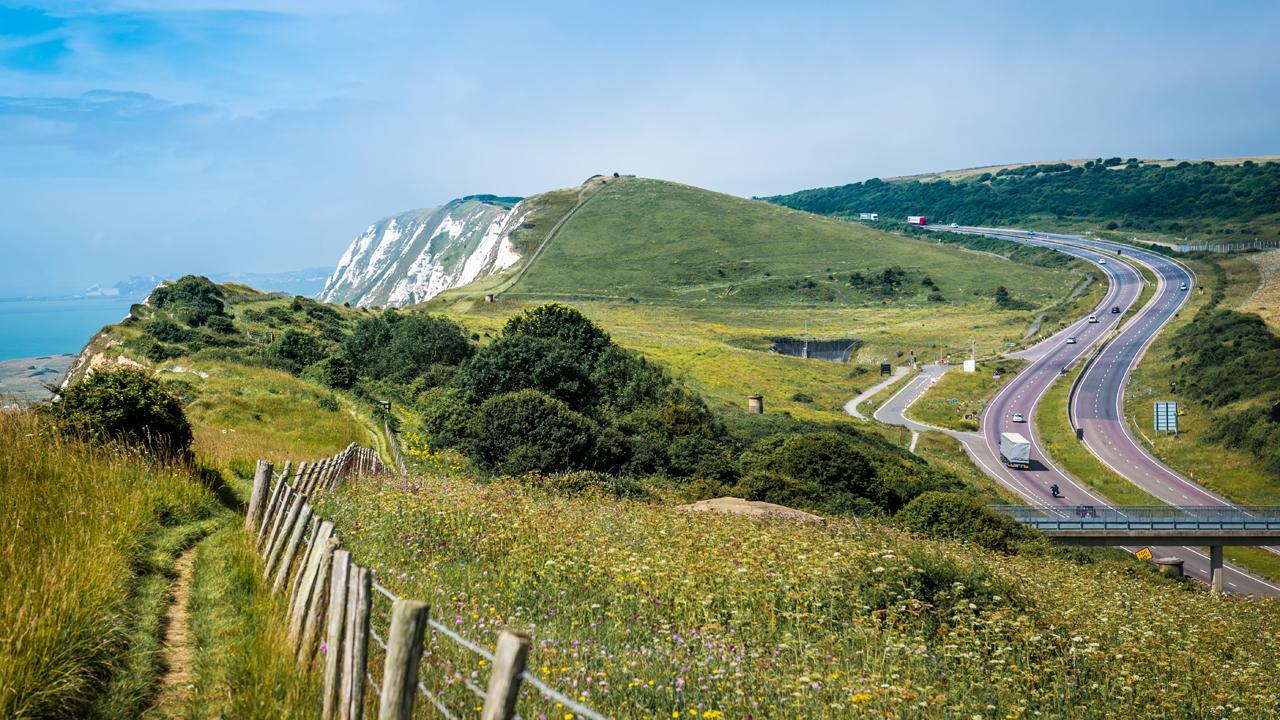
(170,136)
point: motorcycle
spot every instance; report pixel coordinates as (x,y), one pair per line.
(1053,490)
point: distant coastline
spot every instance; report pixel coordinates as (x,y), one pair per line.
(23,380)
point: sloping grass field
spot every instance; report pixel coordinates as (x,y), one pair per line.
(655,241)
(646,611)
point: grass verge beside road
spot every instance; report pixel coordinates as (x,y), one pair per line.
(972,391)
(1232,473)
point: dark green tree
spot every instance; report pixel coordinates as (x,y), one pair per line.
(518,362)
(563,323)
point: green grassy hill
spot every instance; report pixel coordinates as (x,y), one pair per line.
(660,242)
(1224,201)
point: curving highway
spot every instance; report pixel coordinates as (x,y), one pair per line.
(1098,401)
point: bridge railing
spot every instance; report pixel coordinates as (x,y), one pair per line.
(1145,517)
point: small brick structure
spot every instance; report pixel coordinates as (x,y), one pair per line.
(755,404)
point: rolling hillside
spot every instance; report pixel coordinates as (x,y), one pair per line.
(1215,201)
(660,242)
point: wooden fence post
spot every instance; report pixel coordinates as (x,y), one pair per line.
(286,528)
(282,510)
(339,578)
(308,581)
(355,644)
(404,651)
(306,559)
(313,610)
(258,497)
(291,548)
(504,678)
(273,506)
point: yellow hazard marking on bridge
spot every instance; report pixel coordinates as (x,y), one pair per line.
(1143,554)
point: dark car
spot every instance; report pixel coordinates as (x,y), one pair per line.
(1115,310)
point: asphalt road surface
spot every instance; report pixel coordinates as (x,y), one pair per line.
(1099,400)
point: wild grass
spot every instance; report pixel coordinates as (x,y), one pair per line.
(243,413)
(244,665)
(78,525)
(972,391)
(642,610)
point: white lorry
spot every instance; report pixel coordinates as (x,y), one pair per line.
(1015,451)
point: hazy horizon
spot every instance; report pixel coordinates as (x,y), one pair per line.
(216,136)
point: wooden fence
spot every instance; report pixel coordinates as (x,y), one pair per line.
(332,610)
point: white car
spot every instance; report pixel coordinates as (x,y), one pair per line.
(1101,261)
(1182,287)
(1093,318)
(1019,417)
(1071,340)
(955,225)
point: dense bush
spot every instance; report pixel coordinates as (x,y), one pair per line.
(400,346)
(192,299)
(446,417)
(837,470)
(294,350)
(335,372)
(526,431)
(517,362)
(123,405)
(563,323)
(625,381)
(166,330)
(960,516)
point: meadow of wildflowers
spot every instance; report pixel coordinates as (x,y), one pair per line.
(640,610)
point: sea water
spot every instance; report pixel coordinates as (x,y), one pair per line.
(31,328)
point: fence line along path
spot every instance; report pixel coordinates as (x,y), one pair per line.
(334,622)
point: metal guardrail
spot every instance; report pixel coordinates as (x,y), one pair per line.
(1145,517)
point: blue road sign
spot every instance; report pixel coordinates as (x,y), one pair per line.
(1166,417)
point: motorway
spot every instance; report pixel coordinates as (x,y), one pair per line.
(1098,403)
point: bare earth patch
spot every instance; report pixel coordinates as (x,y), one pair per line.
(175,686)
(1266,299)
(750,508)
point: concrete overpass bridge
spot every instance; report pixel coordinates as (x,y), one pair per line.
(1158,525)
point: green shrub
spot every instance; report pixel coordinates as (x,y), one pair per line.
(294,349)
(926,577)
(446,417)
(664,423)
(626,381)
(562,323)
(960,516)
(527,431)
(698,456)
(220,324)
(123,405)
(402,346)
(192,299)
(836,470)
(166,330)
(518,362)
(335,372)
